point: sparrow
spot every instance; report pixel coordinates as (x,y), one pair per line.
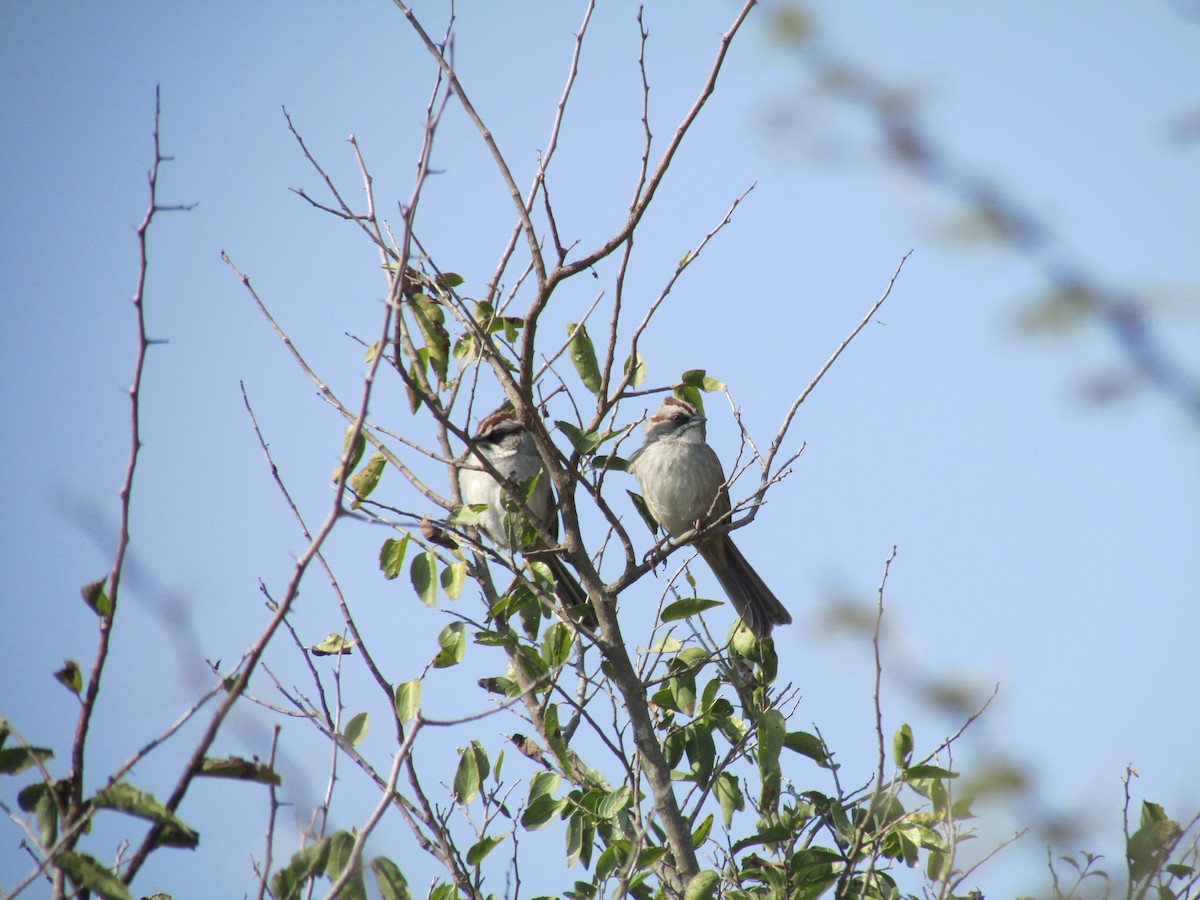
(684,487)
(504,442)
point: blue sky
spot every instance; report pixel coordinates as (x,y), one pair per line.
(1045,544)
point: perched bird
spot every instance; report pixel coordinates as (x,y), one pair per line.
(503,441)
(684,486)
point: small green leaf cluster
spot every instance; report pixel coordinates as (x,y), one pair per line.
(329,858)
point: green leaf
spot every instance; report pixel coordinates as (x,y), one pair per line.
(690,394)
(334,645)
(356,729)
(543,784)
(484,312)
(473,768)
(466,778)
(466,348)
(453,644)
(688,606)
(449,280)
(529,486)
(556,644)
(701,752)
(511,325)
(698,378)
(807,745)
(505,687)
(744,644)
(430,320)
(554,736)
(423,573)
(541,575)
(668,644)
(683,693)
(408,700)
(703,886)
(540,811)
(463,516)
(39,798)
(482,848)
(767,658)
(1148,845)
(574,839)
(356,452)
(341,850)
(729,794)
(288,882)
(481,760)
(817,869)
(664,699)
(700,835)
(583,356)
(1152,813)
(600,462)
(391,881)
(772,730)
(391,556)
(639,372)
(533,666)
(414,398)
(70,677)
(89,875)
(366,479)
(454,576)
(913,773)
(902,842)
(238,769)
(373,350)
(650,856)
(14,760)
(124,797)
(585,442)
(639,503)
(95,597)
(937,865)
(767,834)
(615,854)
(902,746)
(614,803)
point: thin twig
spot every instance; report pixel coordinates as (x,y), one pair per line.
(506,176)
(543,163)
(74,811)
(791,413)
(882,759)
(273,809)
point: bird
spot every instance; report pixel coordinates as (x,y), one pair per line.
(503,441)
(684,488)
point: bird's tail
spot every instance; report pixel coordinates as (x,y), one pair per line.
(759,608)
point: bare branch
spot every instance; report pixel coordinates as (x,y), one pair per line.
(643,201)
(437,52)
(544,162)
(791,413)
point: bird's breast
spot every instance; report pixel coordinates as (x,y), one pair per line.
(679,485)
